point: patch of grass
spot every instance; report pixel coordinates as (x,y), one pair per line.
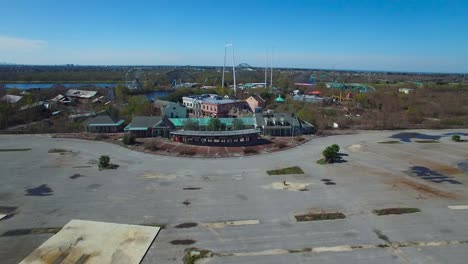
(426,141)
(319,217)
(322,161)
(389,142)
(57,150)
(288,170)
(194,254)
(396,211)
(15,149)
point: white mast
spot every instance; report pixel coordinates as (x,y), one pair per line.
(234,70)
(266,70)
(271,74)
(224,65)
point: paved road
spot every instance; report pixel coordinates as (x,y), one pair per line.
(148,189)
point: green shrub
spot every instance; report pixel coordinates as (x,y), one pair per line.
(104,162)
(456,138)
(330,153)
(336,148)
(129,139)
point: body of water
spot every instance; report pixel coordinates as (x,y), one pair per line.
(26,86)
(154,95)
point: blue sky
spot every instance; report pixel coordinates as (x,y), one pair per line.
(426,35)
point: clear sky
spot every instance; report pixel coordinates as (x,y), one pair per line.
(430,36)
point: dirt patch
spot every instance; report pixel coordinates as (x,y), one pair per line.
(183,242)
(41,190)
(319,217)
(444,169)
(57,150)
(192,188)
(287,186)
(31,231)
(395,211)
(186,225)
(425,189)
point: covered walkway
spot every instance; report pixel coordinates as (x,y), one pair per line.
(217,138)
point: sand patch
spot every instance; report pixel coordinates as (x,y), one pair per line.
(355,147)
(231,223)
(289,186)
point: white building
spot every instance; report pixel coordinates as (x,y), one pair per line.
(406,90)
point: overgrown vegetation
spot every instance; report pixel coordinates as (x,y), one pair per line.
(456,138)
(152,146)
(319,217)
(396,211)
(104,162)
(194,254)
(288,170)
(129,139)
(250,150)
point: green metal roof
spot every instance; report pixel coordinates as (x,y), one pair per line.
(103,121)
(279,99)
(203,121)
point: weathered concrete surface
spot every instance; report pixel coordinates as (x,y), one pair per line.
(95,243)
(154,190)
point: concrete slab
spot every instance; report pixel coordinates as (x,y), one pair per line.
(458,207)
(95,242)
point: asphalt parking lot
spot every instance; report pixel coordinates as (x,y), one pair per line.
(232,208)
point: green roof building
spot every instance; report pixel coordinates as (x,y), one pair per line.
(279,99)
